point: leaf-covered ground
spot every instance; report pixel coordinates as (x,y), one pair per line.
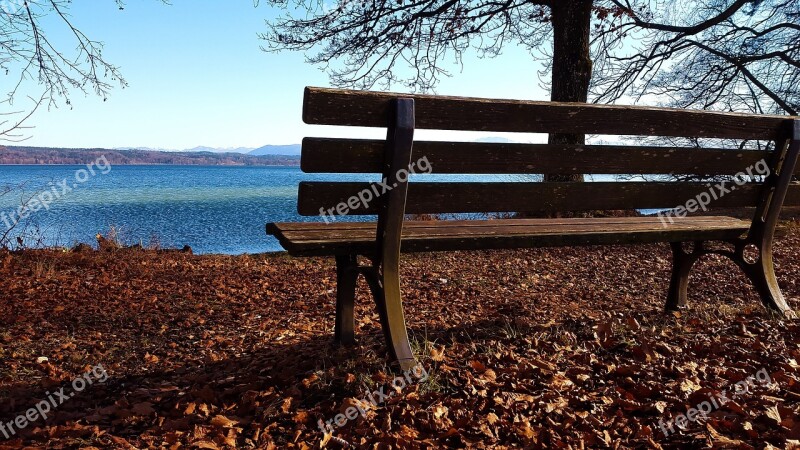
(544,348)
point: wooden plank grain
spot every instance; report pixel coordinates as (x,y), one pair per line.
(324,106)
(439,198)
(325,155)
(445,231)
(321,239)
(340,225)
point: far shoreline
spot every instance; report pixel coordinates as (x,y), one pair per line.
(43,156)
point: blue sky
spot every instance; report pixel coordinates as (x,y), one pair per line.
(197,77)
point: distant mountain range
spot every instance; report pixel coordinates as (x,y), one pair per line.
(43,155)
(243,150)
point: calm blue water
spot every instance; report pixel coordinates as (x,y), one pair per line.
(211,209)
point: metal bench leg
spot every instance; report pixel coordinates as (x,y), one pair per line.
(346,281)
(762,274)
(388,300)
(682,263)
(762,271)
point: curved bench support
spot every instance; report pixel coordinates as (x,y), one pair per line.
(776,186)
(388,302)
(760,272)
(383,276)
(386,264)
(385,290)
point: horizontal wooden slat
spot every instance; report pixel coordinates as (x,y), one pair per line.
(347,237)
(324,155)
(323,106)
(433,198)
(346,226)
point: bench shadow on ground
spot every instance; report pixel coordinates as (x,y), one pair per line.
(275,372)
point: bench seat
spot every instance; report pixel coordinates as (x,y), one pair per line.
(343,238)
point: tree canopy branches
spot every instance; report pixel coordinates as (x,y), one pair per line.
(376,38)
(28,54)
(743,56)
(740,55)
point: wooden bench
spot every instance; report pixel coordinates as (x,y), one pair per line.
(382,241)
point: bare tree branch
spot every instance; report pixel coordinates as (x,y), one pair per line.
(29,57)
(689,30)
(11,129)
(712,54)
(364,44)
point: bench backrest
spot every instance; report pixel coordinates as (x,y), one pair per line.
(377,109)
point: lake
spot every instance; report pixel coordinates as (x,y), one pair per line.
(213,209)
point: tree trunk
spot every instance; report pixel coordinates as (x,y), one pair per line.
(572,65)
